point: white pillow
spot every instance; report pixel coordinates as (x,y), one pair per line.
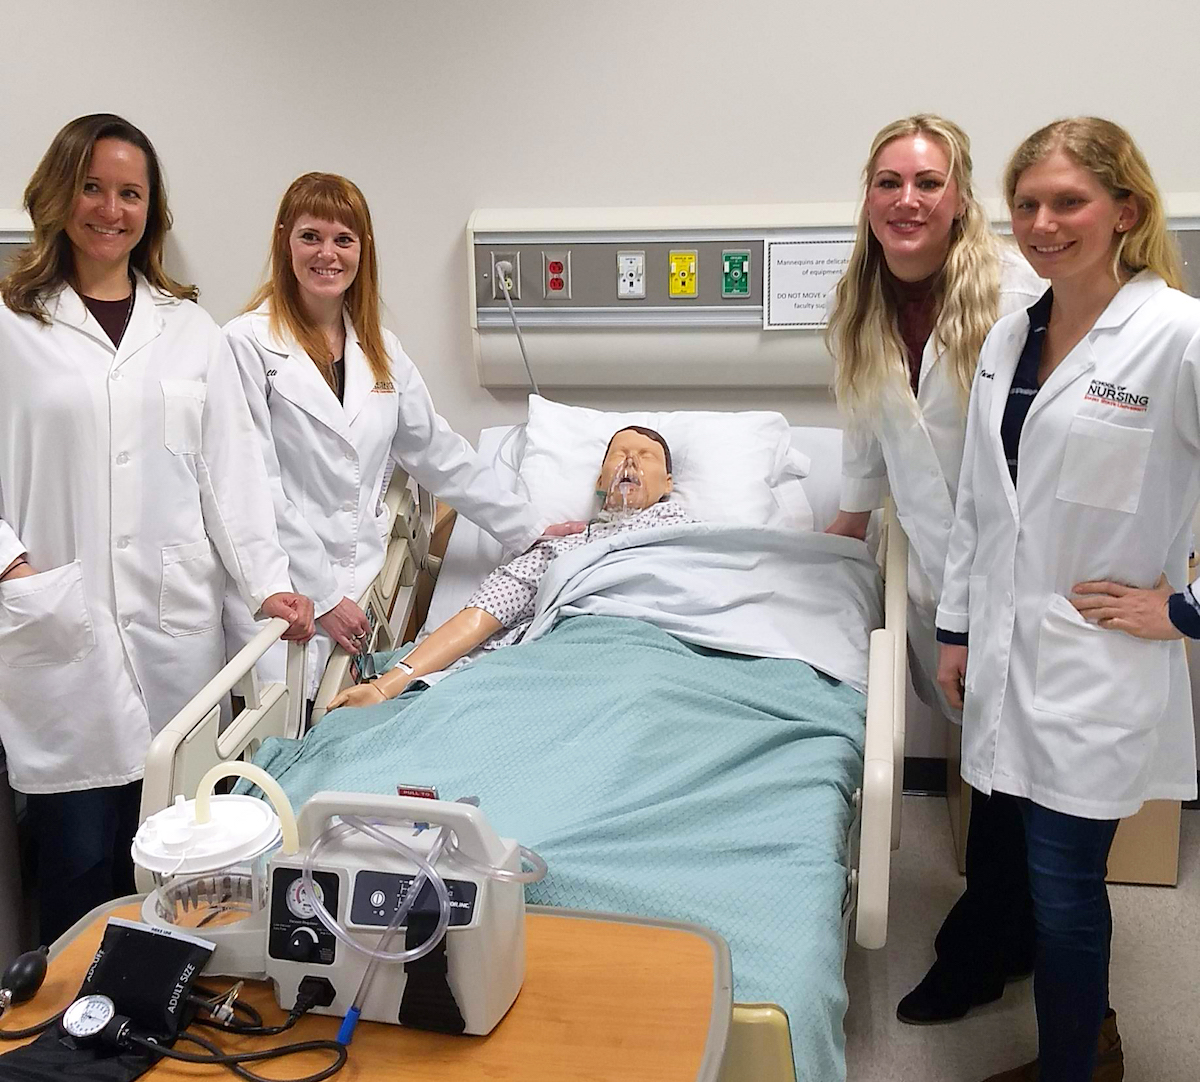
(727,467)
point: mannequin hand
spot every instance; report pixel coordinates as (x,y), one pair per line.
(297,610)
(564,529)
(359,695)
(18,571)
(1141,613)
(347,625)
(952,672)
(850,524)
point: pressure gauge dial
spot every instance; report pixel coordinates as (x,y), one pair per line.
(298,900)
(88,1015)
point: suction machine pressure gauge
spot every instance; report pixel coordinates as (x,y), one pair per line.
(298,901)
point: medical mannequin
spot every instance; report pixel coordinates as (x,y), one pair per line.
(926,281)
(338,404)
(634,483)
(1081,473)
(130,486)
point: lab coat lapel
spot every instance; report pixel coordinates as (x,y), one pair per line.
(145,321)
(1080,360)
(301,383)
(359,381)
(1002,377)
(67,308)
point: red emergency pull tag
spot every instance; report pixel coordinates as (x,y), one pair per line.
(420,792)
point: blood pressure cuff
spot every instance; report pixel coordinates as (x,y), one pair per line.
(148,974)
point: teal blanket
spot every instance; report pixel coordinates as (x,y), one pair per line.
(655,778)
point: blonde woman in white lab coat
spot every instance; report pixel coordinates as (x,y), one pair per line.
(129,485)
(1080,477)
(337,403)
(926,281)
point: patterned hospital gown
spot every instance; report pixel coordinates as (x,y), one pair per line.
(509,593)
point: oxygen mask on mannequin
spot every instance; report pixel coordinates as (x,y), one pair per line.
(626,490)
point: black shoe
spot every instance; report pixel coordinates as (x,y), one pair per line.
(940,997)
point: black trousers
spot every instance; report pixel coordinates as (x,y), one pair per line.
(82,841)
(989,934)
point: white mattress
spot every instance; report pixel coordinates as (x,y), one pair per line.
(471,553)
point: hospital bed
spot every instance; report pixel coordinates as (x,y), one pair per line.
(759,1046)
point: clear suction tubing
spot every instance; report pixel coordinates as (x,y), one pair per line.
(627,479)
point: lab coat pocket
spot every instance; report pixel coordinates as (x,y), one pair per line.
(1104,464)
(192,589)
(183,410)
(1096,674)
(44,619)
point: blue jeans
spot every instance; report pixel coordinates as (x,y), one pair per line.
(83,841)
(1068,859)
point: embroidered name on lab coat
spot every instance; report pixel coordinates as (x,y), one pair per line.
(1109,394)
(383,386)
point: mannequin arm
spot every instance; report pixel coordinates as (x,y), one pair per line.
(457,637)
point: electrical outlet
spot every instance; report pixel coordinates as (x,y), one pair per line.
(735,277)
(556,274)
(685,273)
(514,278)
(631,275)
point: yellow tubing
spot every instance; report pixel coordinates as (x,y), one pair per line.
(256,774)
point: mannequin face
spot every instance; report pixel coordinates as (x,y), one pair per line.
(108,217)
(325,257)
(912,202)
(1067,222)
(634,472)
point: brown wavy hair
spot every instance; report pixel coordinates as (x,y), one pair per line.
(330,198)
(1108,152)
(48,262)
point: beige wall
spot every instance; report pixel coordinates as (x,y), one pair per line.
(617,102)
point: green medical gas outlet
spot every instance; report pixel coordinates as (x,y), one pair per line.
(735,279)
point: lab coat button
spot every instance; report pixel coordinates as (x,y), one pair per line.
(347,506)
(122,458)
(127,621)
(349,456)
(115,376)
(123,543)
(345,561)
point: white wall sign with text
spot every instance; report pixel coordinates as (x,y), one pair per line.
(800,276)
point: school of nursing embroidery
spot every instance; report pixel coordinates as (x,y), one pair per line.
(383,386)
(1121,397)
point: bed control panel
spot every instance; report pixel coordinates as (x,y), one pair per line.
(377,895)
(296,934)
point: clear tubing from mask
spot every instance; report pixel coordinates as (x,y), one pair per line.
(352,824)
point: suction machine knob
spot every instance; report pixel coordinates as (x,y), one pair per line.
(302,945)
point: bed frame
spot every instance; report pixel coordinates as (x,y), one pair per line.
(759,1044)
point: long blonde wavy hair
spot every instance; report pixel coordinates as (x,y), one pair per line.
(48,262)
(330,198)
(863,334)
(1108,152)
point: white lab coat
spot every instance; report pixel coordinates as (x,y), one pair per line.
(917,454)
(1083,720)
(329,463)
(120,472)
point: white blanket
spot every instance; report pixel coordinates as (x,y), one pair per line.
(745,590)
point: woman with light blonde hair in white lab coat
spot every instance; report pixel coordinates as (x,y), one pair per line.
(338,404)
(1059,623)
(129,486)
(926,281)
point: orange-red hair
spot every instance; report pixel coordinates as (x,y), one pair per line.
(333,199)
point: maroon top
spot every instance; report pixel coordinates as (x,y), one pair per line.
(915,316)
(113,316)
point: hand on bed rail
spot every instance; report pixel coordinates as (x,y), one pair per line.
(297,610)
(347,625)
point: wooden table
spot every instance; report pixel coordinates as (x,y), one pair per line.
(604,998)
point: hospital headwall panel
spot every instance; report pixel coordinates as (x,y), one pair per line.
(663,297)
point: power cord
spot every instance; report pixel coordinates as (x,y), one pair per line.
(502,270)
